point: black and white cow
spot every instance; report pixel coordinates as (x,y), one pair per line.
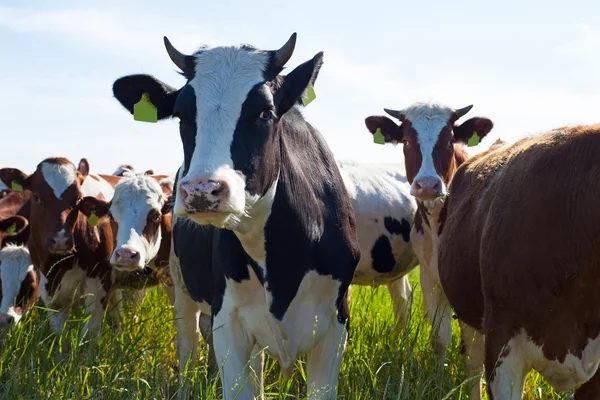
(253,165)
(384,210)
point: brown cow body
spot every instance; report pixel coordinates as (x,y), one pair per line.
(522,233)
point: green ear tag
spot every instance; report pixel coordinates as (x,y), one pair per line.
(12,229)
(92,220)
(16,187)
(309,96)
(474,141)
(144,110)
(378,137)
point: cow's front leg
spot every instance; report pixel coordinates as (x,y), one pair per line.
(233,348)
(401,294)
(324,362)
(96,300)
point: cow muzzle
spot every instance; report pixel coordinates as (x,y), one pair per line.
(428,188)
(125,259)
(6,321)
(60,243)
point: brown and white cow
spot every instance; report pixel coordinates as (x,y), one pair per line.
(71,255)
(18,279)
(433,150)
(520,259)
(141,215)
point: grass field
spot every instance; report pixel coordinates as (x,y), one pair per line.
(381,362)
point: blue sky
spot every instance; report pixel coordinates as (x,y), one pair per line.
(529,66)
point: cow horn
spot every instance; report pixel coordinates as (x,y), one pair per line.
(395,114)
(177,57)
(462,111)
(284,54)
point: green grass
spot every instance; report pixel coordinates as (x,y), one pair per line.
(381,361)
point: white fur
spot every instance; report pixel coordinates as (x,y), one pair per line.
(524,354)
(124,171)
(378,191)
(428,120)
(134,197)
(15,265)
(95,188)
(224,76)
(59,176)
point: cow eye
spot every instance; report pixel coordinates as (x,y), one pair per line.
(451,143)
(36,199)
(404,142)
(266,115)
(156,217)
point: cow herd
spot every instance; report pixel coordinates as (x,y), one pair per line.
(260,233)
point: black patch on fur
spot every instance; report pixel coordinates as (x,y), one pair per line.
(396,227)
(381,253)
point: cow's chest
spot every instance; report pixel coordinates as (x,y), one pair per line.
(307,319)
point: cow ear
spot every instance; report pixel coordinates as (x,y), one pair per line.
(149,172)
(480,126)
(387,127)
(13,226)
(83,167)
(14,178)
(129,90)
(90,204)
(168,206)
(296,82)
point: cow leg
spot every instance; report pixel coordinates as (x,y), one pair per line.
(186,314)
(401,294)
(589,390)
(505,369)
(438,310)
(474,354)
(115,307)
(58,320)
(233,348)
(96,299)
(324,362)
(206,330)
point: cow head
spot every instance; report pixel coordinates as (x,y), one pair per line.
(18,280)
(230,112)
(137,210)
(431,140)
(8,178)
(56,193)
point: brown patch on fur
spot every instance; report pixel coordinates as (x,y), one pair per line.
(162,258)
(500,240)
(151,225)
(111,179)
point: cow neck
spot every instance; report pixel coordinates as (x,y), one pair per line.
(251,230)
(433,214)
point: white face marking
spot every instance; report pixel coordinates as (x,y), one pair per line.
(428,120)
(96,187)
(224,76)
(134,198)
(59,176)
(15,264)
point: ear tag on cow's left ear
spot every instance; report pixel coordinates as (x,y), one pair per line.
(144,110)
(92,220)
(474,141)
(12,229)
(16,187)
(378,137)
(309,95)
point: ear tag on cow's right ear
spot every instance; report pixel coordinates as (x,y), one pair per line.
(378,137)
(16,187)
(309,96)
(12,229)
(92,220)
(144,110)
(474,140)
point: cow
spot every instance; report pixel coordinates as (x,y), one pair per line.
(433,147)
(9,178)
(18,279)
(126,169)
(519,260)
(142,217)
(384,211)
(70,253)
(285,243)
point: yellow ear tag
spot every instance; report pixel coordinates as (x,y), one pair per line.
(378,137)
(309,95)
(92,220)
(12,229)
(474,141)
(16,187)
(144,110)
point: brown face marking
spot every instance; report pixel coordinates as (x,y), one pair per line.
(412,151)
(152,224)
